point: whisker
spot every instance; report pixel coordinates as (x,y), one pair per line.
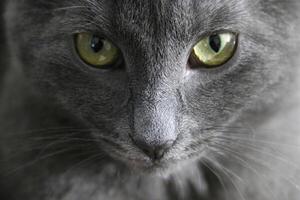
(245,164)
(31,163)
(32,147)
(68,8)
(266,165)
(261,141)
(226,172)
(84,161)
(30,135)
(256,149)
(218,177)
(61,141)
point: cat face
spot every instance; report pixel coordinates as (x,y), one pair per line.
(154,109)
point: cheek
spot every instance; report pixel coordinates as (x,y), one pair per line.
(90,96)
(222,100)
(95,102)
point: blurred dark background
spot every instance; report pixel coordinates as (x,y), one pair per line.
(2,42)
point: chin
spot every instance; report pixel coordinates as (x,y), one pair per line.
(162,168)
(146,166)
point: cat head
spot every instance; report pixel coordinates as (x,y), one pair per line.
(131,71)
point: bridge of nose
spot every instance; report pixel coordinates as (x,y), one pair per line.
(154,102)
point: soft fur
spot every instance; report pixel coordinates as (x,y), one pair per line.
(67,128)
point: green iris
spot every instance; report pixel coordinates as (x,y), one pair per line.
(214,50)
(96,51)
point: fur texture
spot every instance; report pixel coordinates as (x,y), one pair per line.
(66,128)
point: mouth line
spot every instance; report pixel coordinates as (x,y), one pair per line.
(140,161)
(115,152)
(143,164)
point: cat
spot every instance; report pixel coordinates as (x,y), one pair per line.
(161,122)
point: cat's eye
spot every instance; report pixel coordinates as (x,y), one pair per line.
(214,50)
(97,51)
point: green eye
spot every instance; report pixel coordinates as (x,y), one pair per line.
(97,51)
(214,50)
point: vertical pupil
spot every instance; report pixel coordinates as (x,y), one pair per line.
(215,42)
(96,44)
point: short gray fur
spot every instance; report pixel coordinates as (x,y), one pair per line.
(67,129)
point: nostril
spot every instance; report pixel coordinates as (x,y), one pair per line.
(155,152)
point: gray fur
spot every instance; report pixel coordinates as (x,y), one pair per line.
(67,129)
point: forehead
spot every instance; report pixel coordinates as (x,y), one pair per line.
(166,9)
(158,14)
(149,15)
(176,16)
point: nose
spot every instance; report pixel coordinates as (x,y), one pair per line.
(153,118)
(155,152)
(154,127)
